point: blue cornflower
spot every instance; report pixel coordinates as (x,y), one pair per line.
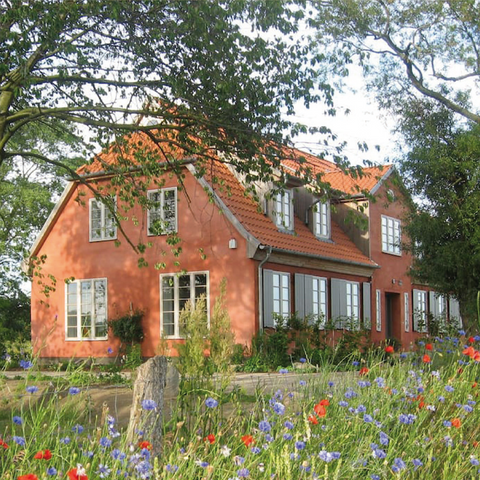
(51,471)
(255,450)
(118,455)
(417,463)
(238,460)
(32,389)
(342,403)
(361,409)
(283,370)
(264,426)
(299,445)
(384,438)
(19,440)
(105,442)
(88,454)
(461,332)
(474,461)
(468,408)
(329,456)
(449,388)
(65,440)
(269,438)
(302,360)
(150,404)
(350,394)
(279,408)
(17,420)
(287,436)
(373,476)
(143,468)
(74,391)
(355,363)
(331,384)
(109,350)
(398,464)
(288,424)
(209,402)
(367,418)
(447,423)
(77,429)
(441,398)
(302,383)
(171,468)
(378,453)
(26,364)
(243,473)
(407,419)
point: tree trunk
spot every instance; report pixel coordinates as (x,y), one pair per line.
(149,386)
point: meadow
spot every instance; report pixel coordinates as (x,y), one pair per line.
(399,415)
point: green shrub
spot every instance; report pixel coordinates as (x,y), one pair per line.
(128,328)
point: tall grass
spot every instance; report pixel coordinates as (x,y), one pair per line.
(409,416)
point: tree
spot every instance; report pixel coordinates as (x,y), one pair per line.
(421,48)
(189,74)
(442,170)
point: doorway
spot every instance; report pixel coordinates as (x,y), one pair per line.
(392,315)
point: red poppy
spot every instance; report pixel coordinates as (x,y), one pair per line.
(210,438)
(324,402)
(363,371)
(145,444)
(28,476)
(43,455)
(471,340)
(3,444)
(320,410)
(476,356)
(456,422)
(247,440)
(428,346)
(474,384)
(426,359)
(313,419)
(470,351)
(75,474)
(388,349)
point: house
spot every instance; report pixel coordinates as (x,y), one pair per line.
(281,253)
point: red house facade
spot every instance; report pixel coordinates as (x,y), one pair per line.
(288,252)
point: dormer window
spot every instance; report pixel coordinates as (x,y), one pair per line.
(284,210)
(321,219)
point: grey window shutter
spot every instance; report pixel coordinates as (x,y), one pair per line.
(432,304)
(454,310)
(367,305)
(300,295)
(309,297)
(339,305)
(415,310)
(268,299)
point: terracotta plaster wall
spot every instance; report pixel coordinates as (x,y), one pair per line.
(203,230)
(392,277)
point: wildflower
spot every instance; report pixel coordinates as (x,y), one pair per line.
(471,340)
(43,455)
(474,461)
(210,438)
(3,444)
(398,464)
(74,391)
(118,455)
(355,363)
(283,370)
(255,450)
(210,402)
(264,426)
(243,473)
(367,418)
(77,473)
(302,383)
(238,460)
(456,422)
(378,453)
(77,429)
(103,471)
(407,419)
(331,384)
(171,468)
(384,440)
(363,371)
(105,442)
(302,360)
(279,408)
(320,410)
(19,441)
(17,420)
(51,471)
(329,456)
(389,349)
(26,364)
(145,445)
(109,350)
(449,388)
(288,425)
(373,476)
(299,445)
(426,359)
(225,451)
(32,389)
(342,403)
(149,405)
(417,463)
(468,408)
(29,476)
(428,346)
(247,440)
(65,440)
(313,419)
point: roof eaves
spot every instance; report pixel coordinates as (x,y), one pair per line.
(374,190)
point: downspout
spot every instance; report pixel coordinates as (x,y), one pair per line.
(260,284)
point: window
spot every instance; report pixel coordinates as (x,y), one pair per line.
(176,291)
(276,296)
(419,310)
(391,238)
(311,297)
(345,303)
(86,307)
(284,210)
(162,214)
(102,222)
(321,219)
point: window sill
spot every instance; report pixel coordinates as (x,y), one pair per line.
(91,240)
(392,253)
(100,339)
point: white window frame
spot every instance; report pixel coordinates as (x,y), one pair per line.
(78,306)
(319,298)
(378,313)
(284,210)
(345,306)
(104,216)
(353,301)
(176,299)
(391,235)
(406,305)
(281,285)
(420,312)
(321,219)
(160,211)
